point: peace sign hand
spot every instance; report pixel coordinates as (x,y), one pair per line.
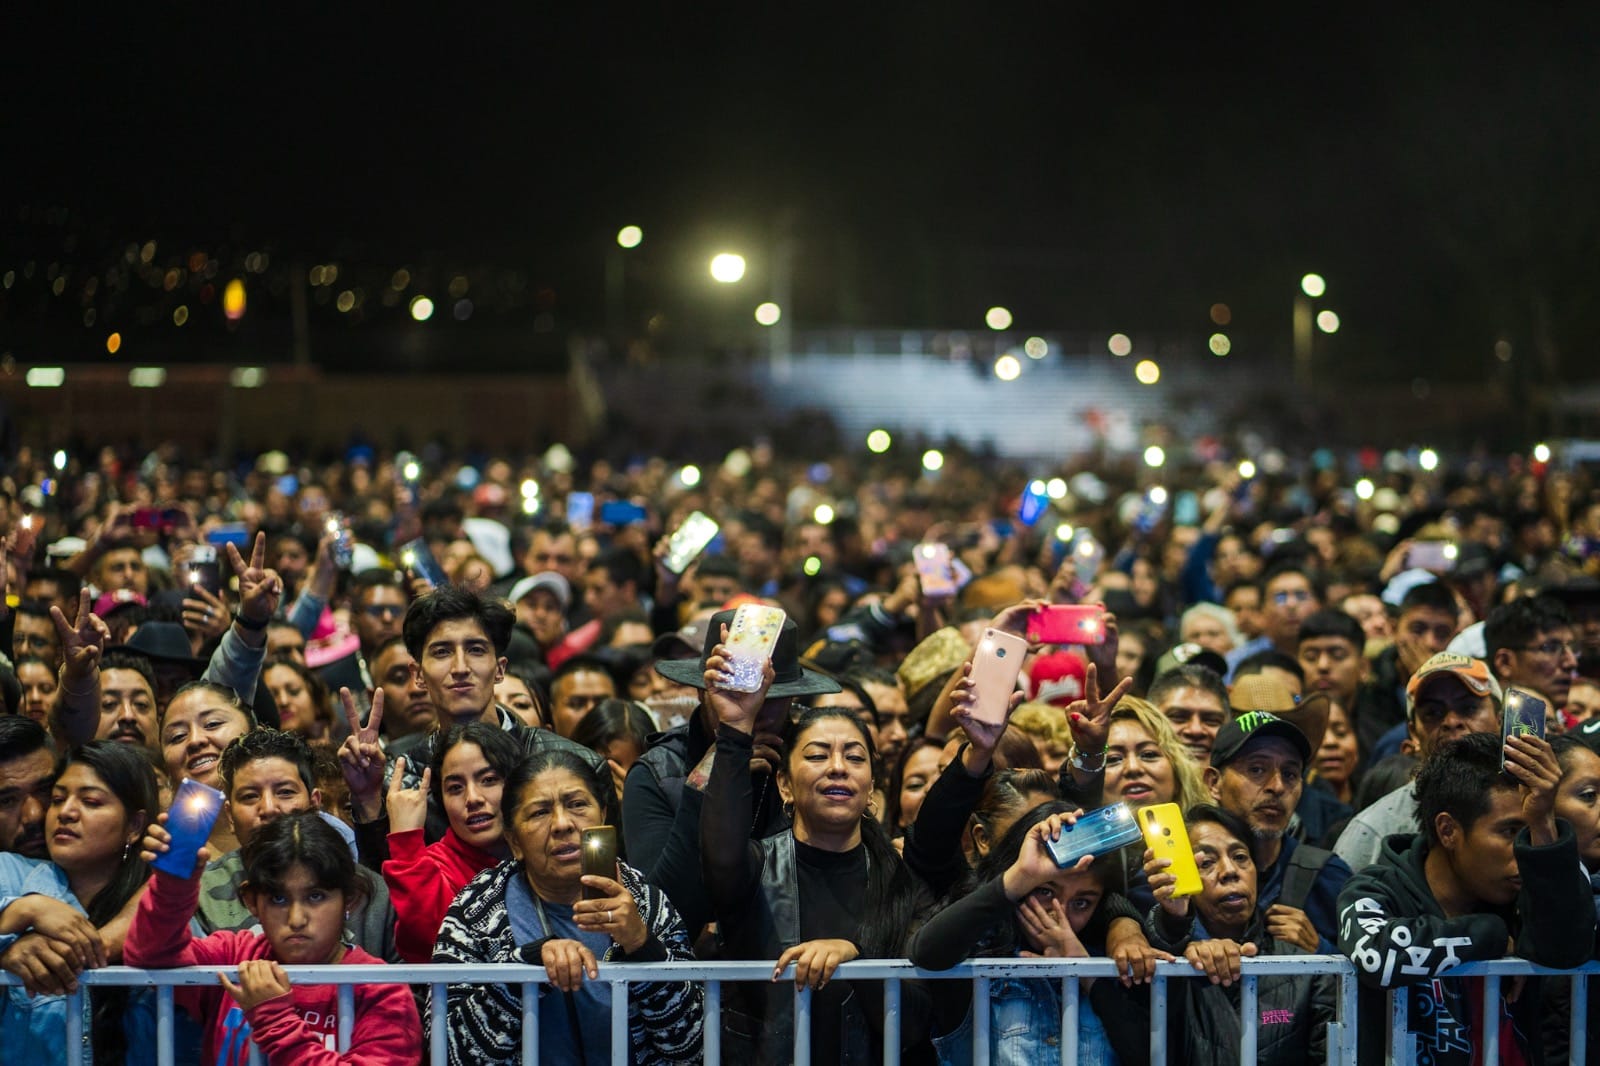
(260,589)
(1090,717)
(361,757)
(81,642)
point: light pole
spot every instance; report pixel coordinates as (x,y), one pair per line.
(1312,287)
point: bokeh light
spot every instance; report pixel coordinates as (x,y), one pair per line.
(1147,371)
(1313,285)
(1007,368)
(1327,322)
(727,267)
(997,318)
(1036,347)
(1155,455)
(878,441)
(932,460)
(1220,344)
(1119,344)
(1247,469)
(768,313)
(629,236)
(1056,488)
(421,308)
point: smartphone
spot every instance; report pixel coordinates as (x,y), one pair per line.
(1165,835)
(1436,555)
(751,638)
(995,666)
(580,511)
(1087,556)
(688,541)
(1035,502)
(934,570)
(416,556)
(1186,509)
(407,479)
(1063,623)
(233,533)
(619,513)
(343,543)
(1524,716)
(200,570)
(162,519)
(1099,832)
(193,812)
(599,856)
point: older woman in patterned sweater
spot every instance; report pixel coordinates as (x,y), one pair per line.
(531,907)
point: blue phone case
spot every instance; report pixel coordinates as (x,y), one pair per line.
(416,555)
(1096,833)
(194,811)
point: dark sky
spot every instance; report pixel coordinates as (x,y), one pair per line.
(1094,167)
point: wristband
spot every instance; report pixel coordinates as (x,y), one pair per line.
(245,623)
(1077,758)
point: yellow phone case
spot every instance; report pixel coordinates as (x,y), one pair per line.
(1168,839)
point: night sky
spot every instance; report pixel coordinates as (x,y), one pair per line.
(1092,169)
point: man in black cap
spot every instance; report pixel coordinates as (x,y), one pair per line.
(1257,771)
(661,821)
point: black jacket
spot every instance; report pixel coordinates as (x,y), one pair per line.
(1395,932)
(1293,1010)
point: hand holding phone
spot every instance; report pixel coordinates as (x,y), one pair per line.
(935,571)
(416,556)
(1166,837)
(688,541)
(1523,715)
(1099,832)
(194,811)
(751,640)
(1064,623)
(1439,556)
(599,850)
(995,666)
(201,569)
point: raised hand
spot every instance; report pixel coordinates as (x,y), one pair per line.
(408,807)
(1090,717)
(1532,761)
(260,589)
(205,616)
(82,641)
(984,736)
(736,709)
(1162,883)
(157,842)
(1045,923)
(361,758)
(613,913)
(1035,865)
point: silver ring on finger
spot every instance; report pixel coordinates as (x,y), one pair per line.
(608,917)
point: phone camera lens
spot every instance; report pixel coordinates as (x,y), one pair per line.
(1000,653)
(1166,832)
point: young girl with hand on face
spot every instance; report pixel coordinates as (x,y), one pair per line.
(299,881)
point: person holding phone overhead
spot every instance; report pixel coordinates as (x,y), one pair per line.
(829,889)
(538,906)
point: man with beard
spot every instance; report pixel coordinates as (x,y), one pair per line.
(1449,697)
(27,773)
(1257,772)
(127,700)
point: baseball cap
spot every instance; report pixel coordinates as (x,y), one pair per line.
(548,580)
(1233,737)
(1473,673)
(110,601)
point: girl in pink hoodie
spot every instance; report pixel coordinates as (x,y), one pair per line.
(299,879)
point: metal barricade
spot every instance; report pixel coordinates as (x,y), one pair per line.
(1341,1043)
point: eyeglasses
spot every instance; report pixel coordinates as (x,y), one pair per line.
(1554,647)
(1291,596)
(383,610)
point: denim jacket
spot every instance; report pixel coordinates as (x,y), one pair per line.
(1025,1028)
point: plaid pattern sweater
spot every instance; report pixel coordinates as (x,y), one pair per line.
(485,1021)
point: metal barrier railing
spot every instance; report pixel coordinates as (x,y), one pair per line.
(1341,1044)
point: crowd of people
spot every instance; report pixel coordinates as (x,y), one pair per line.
(416,682)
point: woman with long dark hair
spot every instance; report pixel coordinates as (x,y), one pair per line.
(1019,902)
(830,889)
(104,797)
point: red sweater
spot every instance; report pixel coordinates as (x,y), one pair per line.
(300,1028)
(423,882)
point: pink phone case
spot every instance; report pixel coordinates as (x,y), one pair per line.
(994,674)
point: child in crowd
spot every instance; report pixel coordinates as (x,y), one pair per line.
(299,881)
